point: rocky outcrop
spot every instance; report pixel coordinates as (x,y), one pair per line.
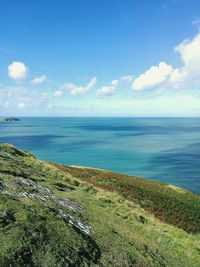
(20,187)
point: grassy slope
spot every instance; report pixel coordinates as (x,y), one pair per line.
(169,203)
(124,234)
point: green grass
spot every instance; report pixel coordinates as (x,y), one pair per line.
(124,234)
(169,203)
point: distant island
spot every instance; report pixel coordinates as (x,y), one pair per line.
(5,119)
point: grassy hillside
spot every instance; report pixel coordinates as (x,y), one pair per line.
(51,215)
(169,203)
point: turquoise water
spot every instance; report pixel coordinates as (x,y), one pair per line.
(165,149)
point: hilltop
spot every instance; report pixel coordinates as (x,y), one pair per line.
(54,215)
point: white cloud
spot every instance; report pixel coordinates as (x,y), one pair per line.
(189,73)
(128,78)
(39,79)
(21,105)
(58,93)
(189,50)
(186,76)
(109,89)
(17,71)
(22,98)
(79,90)
(152,77)
(177,76)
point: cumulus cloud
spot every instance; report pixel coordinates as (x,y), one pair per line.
(58,93)
(39,79)
(177,76)
(79,90)
(152,77)
(128,78)
(110,89)
(17,71)
(189,73)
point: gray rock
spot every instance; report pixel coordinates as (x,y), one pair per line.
(3,214)
(30,184)
(69,204)
(27,188)
(77,223)
(5,154)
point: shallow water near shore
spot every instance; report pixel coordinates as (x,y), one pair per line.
(164,149)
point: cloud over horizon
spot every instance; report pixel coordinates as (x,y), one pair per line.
(39,79)
(154,76)
(110,89)
(74,89)
(188,75)
(189,51)
(163,78)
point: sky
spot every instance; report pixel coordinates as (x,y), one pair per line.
(100,58)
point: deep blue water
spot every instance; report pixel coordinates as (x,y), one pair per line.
(165,149)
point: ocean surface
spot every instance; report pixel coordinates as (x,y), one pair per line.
(164,149)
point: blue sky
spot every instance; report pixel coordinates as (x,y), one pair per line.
(100,58)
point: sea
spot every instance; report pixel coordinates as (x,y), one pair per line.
(162,149)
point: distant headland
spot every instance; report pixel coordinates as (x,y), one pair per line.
(5,119)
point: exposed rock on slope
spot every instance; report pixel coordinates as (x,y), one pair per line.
(21,192)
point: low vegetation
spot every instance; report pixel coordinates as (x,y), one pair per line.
(51,215)
(169,203)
